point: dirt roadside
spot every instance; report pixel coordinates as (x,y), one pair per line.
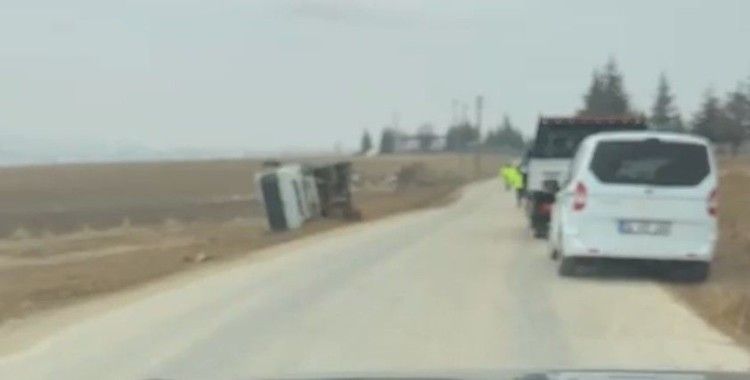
(724,300)
(40,270)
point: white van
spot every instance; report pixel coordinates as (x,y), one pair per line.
(638,195)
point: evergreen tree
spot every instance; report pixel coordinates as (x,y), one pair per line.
(593,99)
(366,143)
(606,95)
(461,137)
(710,119)
(677,124)
(387,141)
(505,135)
(616,100)
(663,113)
(737,111)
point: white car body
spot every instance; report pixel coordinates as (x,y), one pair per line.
(635,221)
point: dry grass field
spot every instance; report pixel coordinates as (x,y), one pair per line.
(71,232)
(724,300)
(65,198)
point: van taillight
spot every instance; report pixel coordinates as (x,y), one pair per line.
(713,203)
(580,196)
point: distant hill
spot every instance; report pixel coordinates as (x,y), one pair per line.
(21,150)
(28,151)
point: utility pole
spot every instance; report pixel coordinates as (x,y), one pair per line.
(454,112)
(478,152)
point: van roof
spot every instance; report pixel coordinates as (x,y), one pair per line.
(642,135)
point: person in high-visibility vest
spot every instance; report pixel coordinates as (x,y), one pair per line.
(505,176)
(515,178)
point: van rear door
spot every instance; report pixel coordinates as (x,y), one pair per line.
(649,195)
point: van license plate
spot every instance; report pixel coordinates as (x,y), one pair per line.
(640,227)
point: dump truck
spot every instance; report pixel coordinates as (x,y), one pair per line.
(548,160)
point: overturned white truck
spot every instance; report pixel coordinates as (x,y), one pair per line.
(289,195)
(294,193)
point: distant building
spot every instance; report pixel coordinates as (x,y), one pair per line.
(406,143)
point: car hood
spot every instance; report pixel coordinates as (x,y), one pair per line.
(545,375)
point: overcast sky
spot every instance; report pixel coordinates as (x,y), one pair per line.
(280,74)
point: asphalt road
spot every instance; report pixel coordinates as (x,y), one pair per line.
(455,288)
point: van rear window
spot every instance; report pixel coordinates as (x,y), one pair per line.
(650,162)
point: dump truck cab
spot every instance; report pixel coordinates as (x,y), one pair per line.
(549,158)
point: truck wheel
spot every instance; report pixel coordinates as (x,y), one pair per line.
(568,267)
(540,232)
(554,254)
(556,247)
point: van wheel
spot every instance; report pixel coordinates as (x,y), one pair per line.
(568,267)
(690,272)
(556,246)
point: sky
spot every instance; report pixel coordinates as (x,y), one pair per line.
(288,75)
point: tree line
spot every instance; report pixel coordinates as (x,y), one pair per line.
(722,120)
(460,137)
